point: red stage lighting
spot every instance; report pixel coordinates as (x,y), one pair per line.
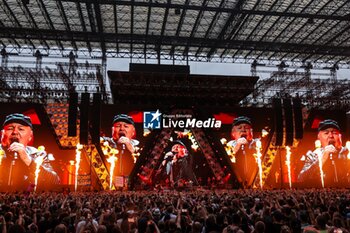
(226,178)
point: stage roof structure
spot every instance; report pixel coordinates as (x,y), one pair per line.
(315,31)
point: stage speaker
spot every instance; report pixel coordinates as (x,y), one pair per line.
(96,118)
(84,119)
(298,118)
(278,123)
(72,114)
(288,117)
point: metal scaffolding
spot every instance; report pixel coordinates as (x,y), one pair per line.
(323,91)
(42,82)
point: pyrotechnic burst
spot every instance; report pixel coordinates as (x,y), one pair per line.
(2,153)
(38,161)
(77,164)
(258,160)
(229,149)
(321,168)
(347,145)
(112,160)
(111,154)
(136,154)
(194,144)
(288,155)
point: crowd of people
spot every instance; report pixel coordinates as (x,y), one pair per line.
(199,211)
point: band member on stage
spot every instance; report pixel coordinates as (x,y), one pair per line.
(332,153)
(123,133)
(242,148)
(178,165)
(18,158)
(168,164)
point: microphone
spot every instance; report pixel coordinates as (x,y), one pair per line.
(243,146)
(169,154)
(12,140)
(333,162)
(331,154)
(123,147)
(122,134)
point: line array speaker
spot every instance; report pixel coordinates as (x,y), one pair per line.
(96,118)
(288,117)
(298,118)
(278,123)
(72,114)
(84,118)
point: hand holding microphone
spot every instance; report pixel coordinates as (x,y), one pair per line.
(125,143)
(122,138)
(19,151)
(328,152)
(14,140)
(169,154)
(330,149)
(241,142)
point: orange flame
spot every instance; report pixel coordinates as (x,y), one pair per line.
(321,168)
(258,159)
(77,164)
(264,133)
(288,155)
(347,145)
(2,153)
(111,153)
(318,144)
(136,155)
(146,132)
(112,159)
(38,161)
(229,149)
(319,155)
(194,144)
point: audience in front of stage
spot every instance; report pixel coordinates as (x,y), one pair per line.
(332,154)
(199,211)
(18,160)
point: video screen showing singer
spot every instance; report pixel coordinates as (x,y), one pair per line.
(243,147)
(333,155)
(176,169)
(123,139)
(19,160)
